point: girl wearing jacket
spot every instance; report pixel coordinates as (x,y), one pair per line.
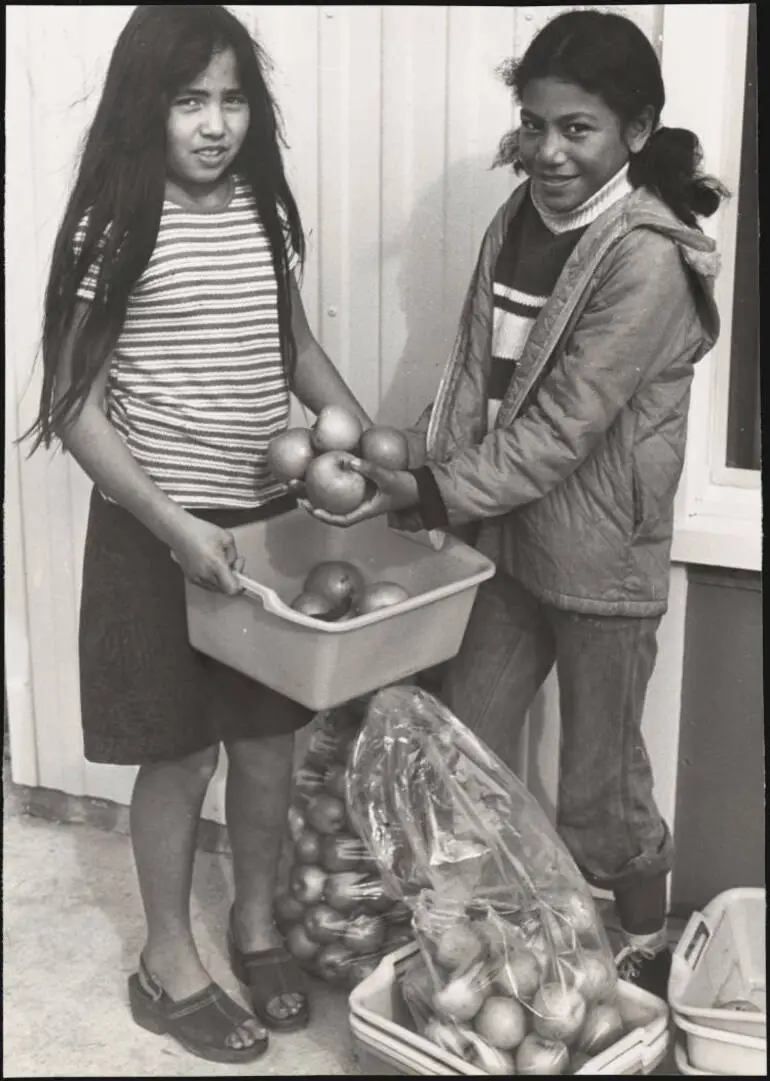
(557,436)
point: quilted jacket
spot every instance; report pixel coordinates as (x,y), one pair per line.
(573,489)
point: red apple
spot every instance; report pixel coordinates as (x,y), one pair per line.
(336,579)
(300,945)
(326,814)
(539,1056)
(333,962)
(319,607)
(307,847)
(385,446)
(307,883)
(335,429)
(332,486)
(323,924)
(381,595)
(290,453)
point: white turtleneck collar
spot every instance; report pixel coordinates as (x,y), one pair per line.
(616,188)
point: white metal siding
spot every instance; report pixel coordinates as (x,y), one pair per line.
(393,115)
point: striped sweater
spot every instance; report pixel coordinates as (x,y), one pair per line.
(197,385)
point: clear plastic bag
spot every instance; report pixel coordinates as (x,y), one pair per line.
(515,967)
(334,912)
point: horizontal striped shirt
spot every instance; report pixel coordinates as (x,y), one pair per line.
(197,385)
(536,247)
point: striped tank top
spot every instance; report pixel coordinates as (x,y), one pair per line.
(197,385)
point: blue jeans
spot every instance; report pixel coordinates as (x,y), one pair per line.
(606,814)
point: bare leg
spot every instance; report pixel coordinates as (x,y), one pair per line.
(257,803)
(165,809)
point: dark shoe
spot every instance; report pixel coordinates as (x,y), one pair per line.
(646,969)
(203,1024)
(268,974)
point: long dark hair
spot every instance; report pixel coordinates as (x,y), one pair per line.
(120,184)
(608,55)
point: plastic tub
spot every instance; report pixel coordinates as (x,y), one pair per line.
(321,665)
(386,1044)
(715,1050)
(683,1064)
(721,958)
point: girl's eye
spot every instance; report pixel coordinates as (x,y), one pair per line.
(528,125)
(577,129)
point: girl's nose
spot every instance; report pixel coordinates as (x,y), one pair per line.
(551,150)
(212,120)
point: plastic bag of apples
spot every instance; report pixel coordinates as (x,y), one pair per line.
(515,972)
(335,915)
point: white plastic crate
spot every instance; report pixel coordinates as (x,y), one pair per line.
(721,958)
(319,664)
(386,1045)
(716,1051)
(683,1064)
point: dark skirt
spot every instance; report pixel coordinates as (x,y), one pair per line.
(146,694)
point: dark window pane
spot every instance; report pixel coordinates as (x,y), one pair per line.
(743,424)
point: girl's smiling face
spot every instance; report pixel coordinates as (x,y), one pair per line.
(207,124)
(571,143)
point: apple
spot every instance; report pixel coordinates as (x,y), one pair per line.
(346,890)
(461,998)
(323,924)
(381,595)
(385,446)
(296,822)
(316,606)
(447,1037)
(335,780)
(307,847)
(335,429)
(341,852)
(336,579)
(287,910)
(558,1011)
(519,975)
(300,945)
(603,1027)
(307,883)
(332,962)
(326,814)
(501,1022)
(539,1056)
(364,934)
(490,1060)
(458,946)
(591,974)
(331,484)
(290,453)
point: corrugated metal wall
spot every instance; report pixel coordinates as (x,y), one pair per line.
(393,115)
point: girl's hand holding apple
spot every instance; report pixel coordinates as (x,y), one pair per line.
(394,490)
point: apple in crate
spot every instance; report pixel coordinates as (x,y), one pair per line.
(381,595)
(502,1022)
(290,453)
(335,429)
(559,1012)
(540,1056)
(331,484)
(319,607)
(336,579)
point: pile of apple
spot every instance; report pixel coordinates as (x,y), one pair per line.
(335,916)
(320,456)
(336,589)
(498,993)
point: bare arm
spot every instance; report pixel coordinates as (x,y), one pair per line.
(205,552)
(316,380)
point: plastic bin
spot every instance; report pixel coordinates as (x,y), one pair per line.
(721,958)
(386,1044)
(683,1063)
(319,664)
(716,1051)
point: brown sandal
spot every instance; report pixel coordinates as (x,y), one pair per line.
(201,1023)
(268,974)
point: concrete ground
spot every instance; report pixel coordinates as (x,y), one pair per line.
(72,930)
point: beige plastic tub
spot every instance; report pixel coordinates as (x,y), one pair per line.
(321,665)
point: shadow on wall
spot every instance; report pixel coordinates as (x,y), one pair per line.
(435,256)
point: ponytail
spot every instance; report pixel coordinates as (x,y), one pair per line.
(669,166)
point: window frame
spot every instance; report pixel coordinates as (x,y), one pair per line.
(718,510)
